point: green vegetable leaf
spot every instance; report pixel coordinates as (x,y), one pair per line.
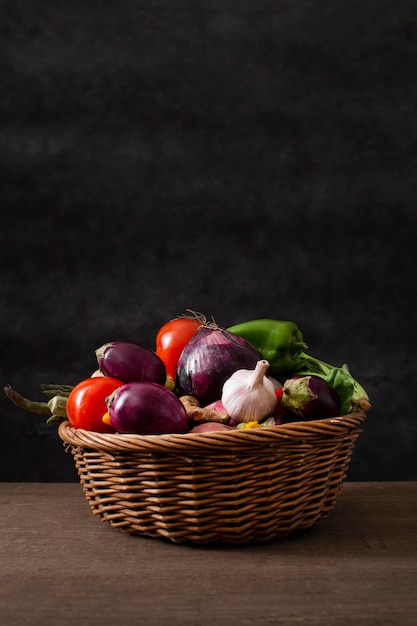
(349,390)
(341,380)
(53,419)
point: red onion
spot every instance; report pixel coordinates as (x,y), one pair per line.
(210,357)
(130,362)
(217,405)
(210,427)
(310,397)
(147,409)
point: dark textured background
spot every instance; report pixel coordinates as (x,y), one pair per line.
(243,159)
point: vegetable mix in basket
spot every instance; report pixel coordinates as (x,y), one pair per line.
(200,377)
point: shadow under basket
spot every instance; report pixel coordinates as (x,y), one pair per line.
(229,486)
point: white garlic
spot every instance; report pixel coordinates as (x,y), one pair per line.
(249,395)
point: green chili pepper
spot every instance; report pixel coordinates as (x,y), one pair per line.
(280,342)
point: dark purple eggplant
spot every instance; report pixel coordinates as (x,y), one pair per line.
(130,362)
(209,358)
(310,397)
(146,408)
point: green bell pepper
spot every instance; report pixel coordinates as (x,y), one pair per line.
(280,342)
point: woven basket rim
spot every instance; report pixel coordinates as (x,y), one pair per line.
(334,427)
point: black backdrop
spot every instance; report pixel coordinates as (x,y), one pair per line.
(243,159)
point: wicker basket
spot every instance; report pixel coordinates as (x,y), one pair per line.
(235,487)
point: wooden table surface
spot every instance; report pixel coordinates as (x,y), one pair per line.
(61,565)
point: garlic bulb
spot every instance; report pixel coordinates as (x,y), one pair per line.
(249,395)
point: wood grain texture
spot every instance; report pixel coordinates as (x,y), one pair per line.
(61,566)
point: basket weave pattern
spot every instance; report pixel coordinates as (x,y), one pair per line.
(233,487)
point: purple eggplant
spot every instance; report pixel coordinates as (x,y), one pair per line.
(130,362)
(310,397)
(209,358)
(146,408)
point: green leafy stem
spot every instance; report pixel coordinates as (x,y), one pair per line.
(351,393)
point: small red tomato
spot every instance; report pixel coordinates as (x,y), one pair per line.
(86,403)
(171,339)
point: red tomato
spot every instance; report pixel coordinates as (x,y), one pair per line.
(171,339)
(86,403)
